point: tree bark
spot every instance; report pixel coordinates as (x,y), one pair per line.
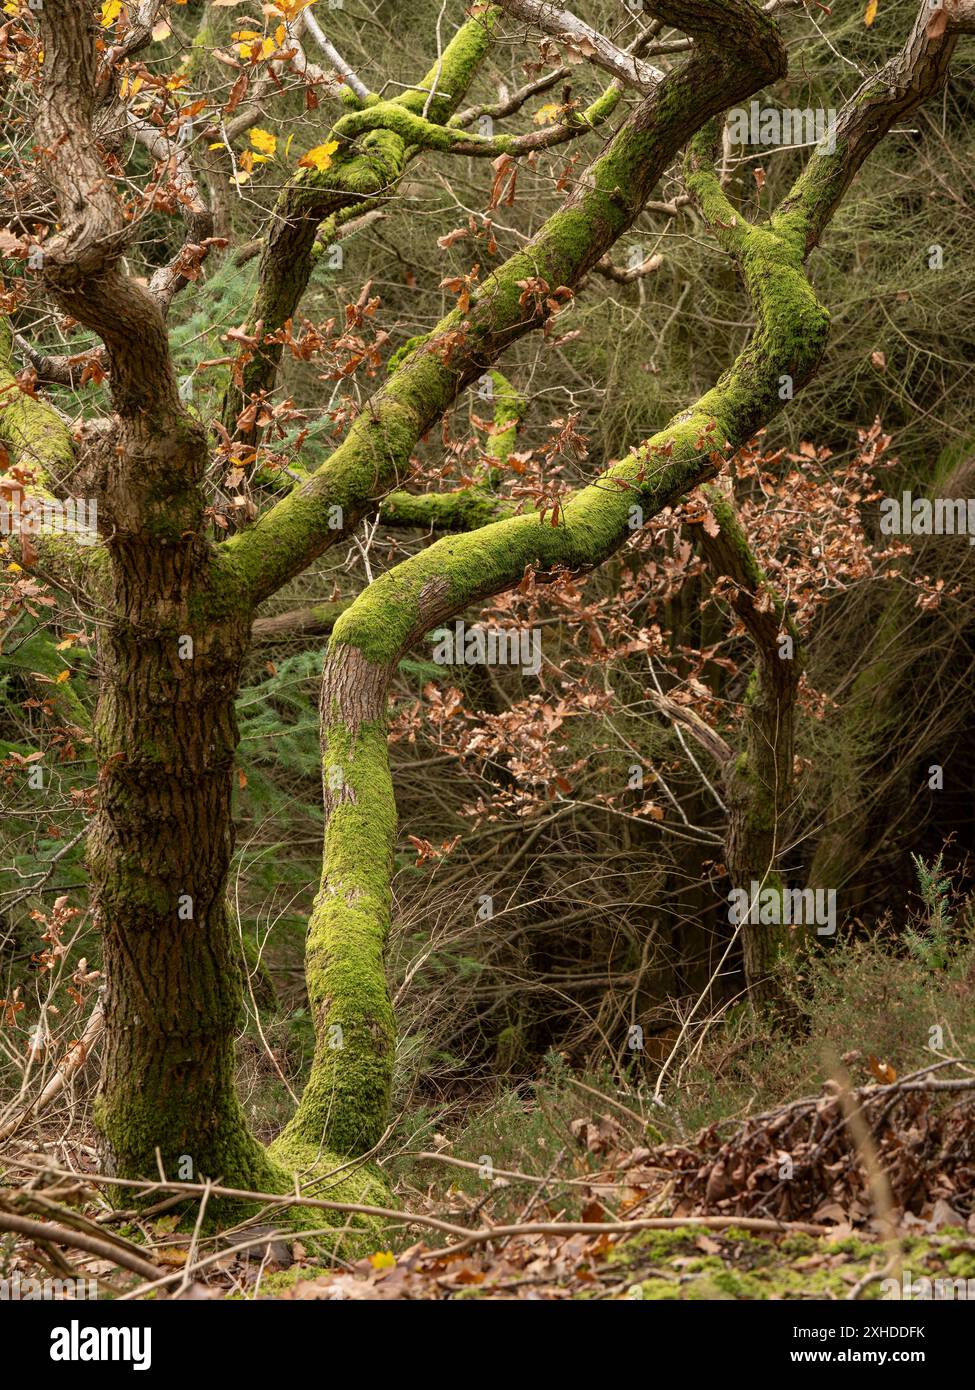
(159,853)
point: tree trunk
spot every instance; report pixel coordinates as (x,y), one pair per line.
(159,851)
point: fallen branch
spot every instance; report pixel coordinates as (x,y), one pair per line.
(277,1199)
(60,1235)
(650,1223)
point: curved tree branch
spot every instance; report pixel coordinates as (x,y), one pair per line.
(346,1097)
(562,24)
(739,52)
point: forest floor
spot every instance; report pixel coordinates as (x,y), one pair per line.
(870,1189)
(776,1169)
(798,1203)
(685,1263)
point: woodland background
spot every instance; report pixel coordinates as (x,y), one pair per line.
(609,901)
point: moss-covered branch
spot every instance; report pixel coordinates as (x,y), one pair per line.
(738,52)
(467,508)
(374,147)
(346,1095)
(348,1092)
(918,71)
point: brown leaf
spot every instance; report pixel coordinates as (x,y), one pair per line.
(882,1071)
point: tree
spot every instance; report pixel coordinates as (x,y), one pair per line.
(178,598)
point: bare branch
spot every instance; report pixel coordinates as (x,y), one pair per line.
(512,103)
(626,276)
(168,279)
(709,739)
(334,57)
(317,621)
(564,25)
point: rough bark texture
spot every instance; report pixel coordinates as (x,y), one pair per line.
(159,850)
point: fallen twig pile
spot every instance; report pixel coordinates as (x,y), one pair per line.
(798,1162)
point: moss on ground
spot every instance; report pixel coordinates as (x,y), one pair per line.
(691,1264)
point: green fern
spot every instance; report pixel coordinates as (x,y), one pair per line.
(933,948)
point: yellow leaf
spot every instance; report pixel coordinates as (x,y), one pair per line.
(383,1259)
(280,34)
(546,113)
(14,568)
(61,677)
(250,44)
(289,8)
(170,1256)
(320,157)
(263,140)
(111,9)
(871,13)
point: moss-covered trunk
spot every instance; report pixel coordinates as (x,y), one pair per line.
(159,851)
(346,1100)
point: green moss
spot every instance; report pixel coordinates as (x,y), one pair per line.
(38,437)
(38,654)
(789,338)
(328,1176)
(347,1095)
(655,1290)
(654,1245)
(452,74)
(413,129)
(401,353)
(749,1266)
(464,510)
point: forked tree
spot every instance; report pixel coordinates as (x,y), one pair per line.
(176,599)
